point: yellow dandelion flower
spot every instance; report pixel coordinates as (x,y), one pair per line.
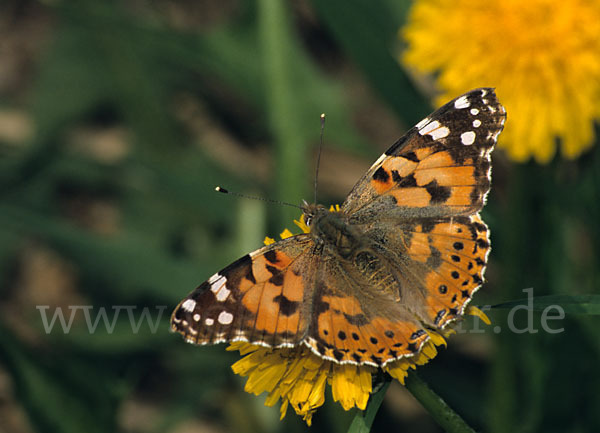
(298,377)
(542,56)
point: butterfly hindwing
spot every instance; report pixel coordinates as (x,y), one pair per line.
(354,322)
(442,262)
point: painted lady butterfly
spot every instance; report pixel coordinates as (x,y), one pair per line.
(404,254)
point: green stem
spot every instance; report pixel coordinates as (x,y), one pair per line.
(363,420)
(277,44)
(449,420)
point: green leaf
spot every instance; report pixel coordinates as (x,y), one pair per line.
(60,392)
(368,33)
(439,410)
(570,304)
(128,261)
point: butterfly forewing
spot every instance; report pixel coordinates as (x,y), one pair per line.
(258,299)
(441,167)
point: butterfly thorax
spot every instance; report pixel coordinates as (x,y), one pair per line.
(354,252)
(331,230)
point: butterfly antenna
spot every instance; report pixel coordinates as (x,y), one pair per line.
(319,153)
(268,200)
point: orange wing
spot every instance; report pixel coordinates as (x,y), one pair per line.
(356,321)
(421,199)
(440,168)
(259,298)
(448,260)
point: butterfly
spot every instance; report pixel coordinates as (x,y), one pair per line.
(404,254)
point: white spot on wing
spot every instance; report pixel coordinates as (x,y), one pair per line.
(462,102)
(422,123)
(426,129)
(217,283)
(214,278)
(380,160)
(440,133)
(476,123)
(225,318)
(219,289)
(196,317)
(188,305)
(222,294)
(209,321)
(467,138)
(474,111)
(435,130)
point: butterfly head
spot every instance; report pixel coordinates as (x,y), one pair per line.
(312,211)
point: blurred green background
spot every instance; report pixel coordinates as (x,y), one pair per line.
(117,120)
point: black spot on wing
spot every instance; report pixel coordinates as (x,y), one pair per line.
(376,359)
(286,307)
(381,175)
(271,256)
(277,276)
(411,156)
(338,355)
(480,227)
(482,243)
(438,193)
(407,181)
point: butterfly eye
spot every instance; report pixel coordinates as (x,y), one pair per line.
(307,220)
